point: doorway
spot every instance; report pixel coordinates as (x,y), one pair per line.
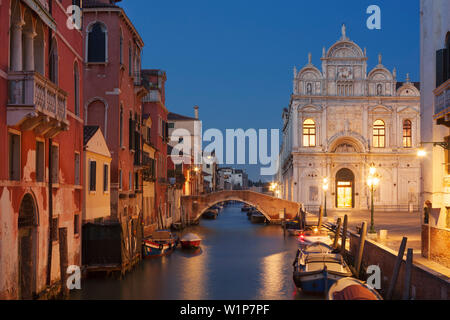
(345,189)
(27,247)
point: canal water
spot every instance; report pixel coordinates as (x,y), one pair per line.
(238,260)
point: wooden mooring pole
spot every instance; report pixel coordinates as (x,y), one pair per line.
(63,261)
(408,270)
(319,223)
(397,266)
(362,241)
(344,235)
(336,236)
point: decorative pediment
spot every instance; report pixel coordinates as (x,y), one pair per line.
(407,109)
(380,74)
(345,49)
(408,90)
(380,109)
(309,73)
(309,108)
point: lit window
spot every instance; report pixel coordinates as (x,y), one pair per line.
(407,134)
(309,133)
(379,134)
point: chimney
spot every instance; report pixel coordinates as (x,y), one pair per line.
(196,112)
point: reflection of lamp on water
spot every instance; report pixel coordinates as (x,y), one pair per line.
(325,189)
(372,181)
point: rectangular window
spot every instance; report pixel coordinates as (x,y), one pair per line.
(130,181)
(92,175)
(379,134)
(120,180)
(77,169)
(171,125)
(160,126)
(136,181)
(407,134)
(40,161)
(55,164)
(76,224)
(54,229)
(105,178)
(14,157)
(309,133)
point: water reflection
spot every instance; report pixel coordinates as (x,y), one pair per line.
(238,260)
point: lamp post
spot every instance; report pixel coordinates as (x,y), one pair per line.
(372,182)
(325,189)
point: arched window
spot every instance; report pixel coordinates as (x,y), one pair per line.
(379,134)
(53,62)
(76,79)
(309,133)
(97,43)
(309,89)
(130,60)
(407,134)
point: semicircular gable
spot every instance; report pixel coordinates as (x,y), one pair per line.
(408,90)
(309,73)
(380,74)
(345,49)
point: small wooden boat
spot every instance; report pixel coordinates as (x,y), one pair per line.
(190,241)
(210,214)
(177,226)
(293,228)
(317,268)
(258,217)
(161,242)
(246,207)
(308,237)
(352,289)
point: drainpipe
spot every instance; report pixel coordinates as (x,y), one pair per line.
(50,182)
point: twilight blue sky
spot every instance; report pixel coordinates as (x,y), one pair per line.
(235,58)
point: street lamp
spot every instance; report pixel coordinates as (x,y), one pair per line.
(325,189)
(372,182)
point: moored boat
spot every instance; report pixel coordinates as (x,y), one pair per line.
(258,217)
(190,241)
(317,268)
(308,237)
(210,214)
(161,242)
(246,207)
(352,289)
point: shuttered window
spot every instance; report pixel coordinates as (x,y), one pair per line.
(92,175)
(14,157)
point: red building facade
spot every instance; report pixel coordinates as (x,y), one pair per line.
(154,106)
(41,140)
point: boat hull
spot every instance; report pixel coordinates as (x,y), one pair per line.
(257,218)
(190,244)
(153,249)
(317,282)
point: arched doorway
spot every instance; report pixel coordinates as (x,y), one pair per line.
(27,247)
(345,189)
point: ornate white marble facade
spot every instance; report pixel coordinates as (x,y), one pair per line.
(345,102)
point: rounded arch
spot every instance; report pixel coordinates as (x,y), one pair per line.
(345,48)
(27,246)
(97,42)
(351,138)
(345,188)
(213,203)
(96,113)
(380,73)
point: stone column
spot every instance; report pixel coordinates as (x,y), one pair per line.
(28,50)
(16,46)
(295,127)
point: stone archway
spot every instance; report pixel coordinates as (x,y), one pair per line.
(27,247)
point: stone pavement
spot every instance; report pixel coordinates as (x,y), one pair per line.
(398,225)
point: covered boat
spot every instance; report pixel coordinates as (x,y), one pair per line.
(246,207)
(190,241)
(257,217)
(210,214)
(161,242)
(309,237)
(352,289)
(317,268)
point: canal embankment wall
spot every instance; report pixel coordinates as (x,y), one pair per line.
(426,284)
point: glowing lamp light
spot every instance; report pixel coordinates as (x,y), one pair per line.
(372,170)
(421,153)
(370,182)
(196,169)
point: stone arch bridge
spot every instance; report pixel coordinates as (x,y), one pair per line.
(271,207)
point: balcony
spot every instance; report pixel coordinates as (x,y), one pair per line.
(153,96)
(36,103)
(442,104)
